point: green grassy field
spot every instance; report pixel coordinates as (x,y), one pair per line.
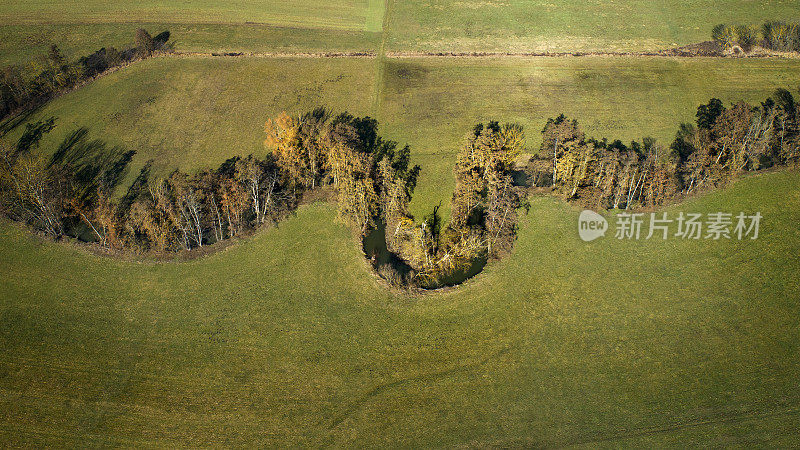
(287,339)
(193,113)
(339,14)
(570,25)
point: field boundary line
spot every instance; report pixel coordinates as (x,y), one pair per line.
(179,54)
(382,54)
(377,90)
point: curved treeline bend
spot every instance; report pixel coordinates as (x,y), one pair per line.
(723,144)
(71,192)
(484,212)
(24,86)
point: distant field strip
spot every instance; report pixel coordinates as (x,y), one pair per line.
(19,44)
(338,14)
(570,25)
(521,26)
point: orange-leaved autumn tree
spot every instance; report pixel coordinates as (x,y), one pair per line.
(283,139)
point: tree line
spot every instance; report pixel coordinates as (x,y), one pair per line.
(773,35)
(72,185)
(74,188)
(72,191)
(724,143)
(23,86)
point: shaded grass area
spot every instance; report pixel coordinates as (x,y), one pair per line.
(193,113)
(286,339)
(19,44)
(569,25)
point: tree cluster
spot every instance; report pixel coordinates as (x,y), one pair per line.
(781,36)
(75,187)
(484,209)
(182,211)
(54,194)
(724,143)
(774,35)
(372,177)
(22,86)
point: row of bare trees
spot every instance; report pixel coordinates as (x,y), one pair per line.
(73,190)
(724,143)
(182,211)
(54,193)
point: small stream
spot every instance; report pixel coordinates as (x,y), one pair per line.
(378,253)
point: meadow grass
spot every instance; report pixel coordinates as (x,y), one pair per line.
(287,339)
(568,25)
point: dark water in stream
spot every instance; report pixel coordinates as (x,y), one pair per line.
(378,253)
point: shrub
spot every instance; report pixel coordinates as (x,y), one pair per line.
(724,35)
(145,45)
(745,37)
(392,277)
(781,36)
(718,33)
